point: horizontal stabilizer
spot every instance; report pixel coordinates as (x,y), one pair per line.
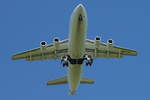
(86,81)
(63,80)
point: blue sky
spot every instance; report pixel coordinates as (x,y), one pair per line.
(24,23)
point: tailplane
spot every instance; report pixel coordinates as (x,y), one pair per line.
(58,81)
(86,81)
(64,80)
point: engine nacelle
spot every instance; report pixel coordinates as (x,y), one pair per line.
(97,38)
(97,41)
(43,44)
(56,40)
(110,41)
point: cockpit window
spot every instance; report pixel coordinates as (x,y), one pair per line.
(80,17)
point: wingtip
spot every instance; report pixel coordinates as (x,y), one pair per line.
(135,53)
(13,57)
(92,82)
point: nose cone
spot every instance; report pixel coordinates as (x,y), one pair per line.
(80,8)
(80,12)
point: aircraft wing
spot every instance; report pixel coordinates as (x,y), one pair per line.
(58,50)
(103,50)
(51,51)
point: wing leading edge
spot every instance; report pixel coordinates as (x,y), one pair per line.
(56,51)
(52,51)
(103,50)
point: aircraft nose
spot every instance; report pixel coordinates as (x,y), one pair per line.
(80,8)
(80,12)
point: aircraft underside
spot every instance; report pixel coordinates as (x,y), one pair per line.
(75,51)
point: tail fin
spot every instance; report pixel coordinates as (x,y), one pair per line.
(63,80)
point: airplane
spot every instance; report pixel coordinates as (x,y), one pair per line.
(75,51)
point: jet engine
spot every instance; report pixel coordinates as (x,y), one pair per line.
(97,41)
(43,44)
(56,40)
(97,38)
(110,41)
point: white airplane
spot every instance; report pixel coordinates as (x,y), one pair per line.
(75,51)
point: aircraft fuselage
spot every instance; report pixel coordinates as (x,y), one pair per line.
(77,36)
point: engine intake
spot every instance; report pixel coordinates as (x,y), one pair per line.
(56,40)
(43,43)
(110,41)
(97,38)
